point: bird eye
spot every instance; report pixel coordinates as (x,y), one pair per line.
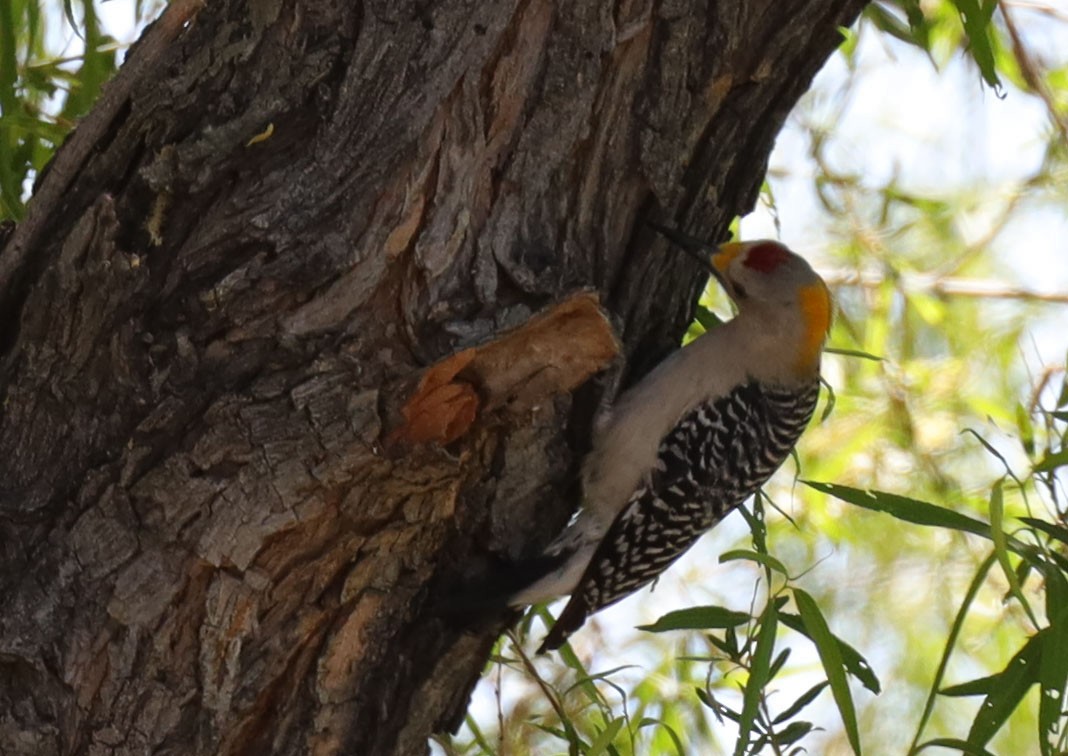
(740,292)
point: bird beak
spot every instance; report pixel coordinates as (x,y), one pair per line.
(725,253)
(714,257)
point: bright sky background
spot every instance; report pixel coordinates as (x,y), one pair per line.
(939,133)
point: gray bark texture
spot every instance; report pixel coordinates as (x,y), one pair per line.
(241,443)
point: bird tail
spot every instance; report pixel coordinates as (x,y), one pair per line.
(570,620)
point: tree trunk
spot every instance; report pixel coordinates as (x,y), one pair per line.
(230,488)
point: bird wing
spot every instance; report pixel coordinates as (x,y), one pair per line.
(719,453)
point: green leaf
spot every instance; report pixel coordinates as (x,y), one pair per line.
(12,168)
(831,657)
(755,521)
(777,665)
(759,676)
(605,737)
(698,618)
(855,664)
(566,734)
(960,745)
(918,22)
(792,733)
(593,693)
(977,17)
(1006,692)
(675,739)
(888,23)
(8,60)
(848,48)
(476,732)
(705,698)
(914,511)
(980,687)
(1056,589)
(1059,560)
(1026,428)
(1052,461)
(764,559)
(585,681)
(21,122)
(1053,681)
(997,516)
(570,658)
(832,399)
(993,452)
(707,318)
(903,508)
(802,701)
(954,632)
(729,644)
(98,65)
(1054,531)
(719,709)
(68,13)
(854,353)
(1062,400)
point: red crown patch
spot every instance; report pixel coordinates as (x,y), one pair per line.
(766,257)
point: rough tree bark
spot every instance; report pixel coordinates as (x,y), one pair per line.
(218,531)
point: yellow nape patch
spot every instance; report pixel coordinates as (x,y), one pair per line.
(815,302)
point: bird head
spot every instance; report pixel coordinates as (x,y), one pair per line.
(765,277)
(767,272)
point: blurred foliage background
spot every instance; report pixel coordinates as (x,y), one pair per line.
(926,176)
(54,57)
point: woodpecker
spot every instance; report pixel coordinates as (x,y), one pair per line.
(696,437)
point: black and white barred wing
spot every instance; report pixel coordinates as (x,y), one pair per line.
(718,454)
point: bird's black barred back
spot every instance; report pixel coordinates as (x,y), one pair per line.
(720,453)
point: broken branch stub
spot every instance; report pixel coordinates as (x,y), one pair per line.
(552,353)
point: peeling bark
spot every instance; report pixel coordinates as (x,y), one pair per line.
(232,279)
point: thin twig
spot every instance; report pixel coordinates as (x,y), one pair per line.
(942,286)
(546,690)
